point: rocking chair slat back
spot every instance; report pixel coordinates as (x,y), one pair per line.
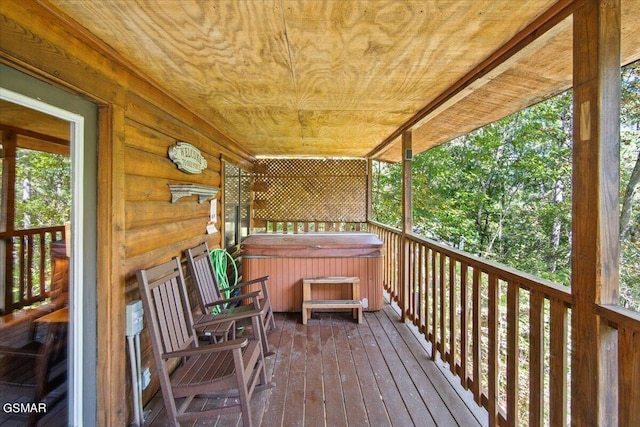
(209,291)
(172,319)
(230,368)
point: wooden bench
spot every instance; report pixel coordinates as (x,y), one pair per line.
(309,304)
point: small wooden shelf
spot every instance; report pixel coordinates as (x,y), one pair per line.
(203,192)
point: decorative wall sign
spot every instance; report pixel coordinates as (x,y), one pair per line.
(187,157)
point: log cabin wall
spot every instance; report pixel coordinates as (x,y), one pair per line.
(138,225)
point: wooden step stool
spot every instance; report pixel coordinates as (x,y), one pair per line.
(309,304)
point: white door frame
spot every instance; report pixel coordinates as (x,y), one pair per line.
(76,136)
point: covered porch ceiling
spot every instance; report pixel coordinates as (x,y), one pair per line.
(342,78)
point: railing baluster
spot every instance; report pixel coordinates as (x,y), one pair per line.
(464,325)
(396,263)
(29,284)
(442,310)
(493,349)
(22,296)
(425,288)
(41,262)
(452,316)
(388,256)
(558,364)
(415,280)
(629,376)
(396,275)
(475,336)
(434,306)
(411,279)
(536,357)
(9,266)
(513,352)
(420,293)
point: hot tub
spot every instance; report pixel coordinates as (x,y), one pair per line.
(289,258)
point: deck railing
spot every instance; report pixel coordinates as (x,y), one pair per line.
(28,265)
(295,227)
(505,334)
(627,325)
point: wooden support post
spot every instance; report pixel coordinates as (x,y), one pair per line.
(7,216)
(369,190)
(407,220)
(596,82)
(111,358)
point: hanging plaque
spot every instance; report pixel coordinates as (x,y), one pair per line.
(187,157)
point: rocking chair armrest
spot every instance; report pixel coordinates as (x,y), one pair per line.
(209,348)
(226,317)
(240,285)
(234,299)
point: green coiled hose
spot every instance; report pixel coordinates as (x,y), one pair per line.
(219,259)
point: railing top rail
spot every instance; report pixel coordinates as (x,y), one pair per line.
(28,231)
(384,226)
(620,317)
(548,288)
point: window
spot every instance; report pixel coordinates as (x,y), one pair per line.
(237,202)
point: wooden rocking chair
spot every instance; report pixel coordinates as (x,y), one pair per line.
(230,368)
(210,295)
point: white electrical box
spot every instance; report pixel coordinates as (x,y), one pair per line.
(134,322)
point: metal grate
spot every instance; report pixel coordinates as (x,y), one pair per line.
(310,190)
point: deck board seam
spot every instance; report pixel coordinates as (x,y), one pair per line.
(416,406)
(336,357)
(387,385)
(358,329)
(479,416)
(429,393)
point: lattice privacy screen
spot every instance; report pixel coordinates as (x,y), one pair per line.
(310,190)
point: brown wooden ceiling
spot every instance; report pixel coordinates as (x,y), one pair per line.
(338,77)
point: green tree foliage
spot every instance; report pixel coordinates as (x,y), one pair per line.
(503,192)
(387,184)
(43,189)
(629,182)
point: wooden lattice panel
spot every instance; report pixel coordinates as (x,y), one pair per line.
(310,190)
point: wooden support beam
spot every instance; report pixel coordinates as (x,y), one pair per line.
(369,190)
(596,75)
(407,219)
(111,358)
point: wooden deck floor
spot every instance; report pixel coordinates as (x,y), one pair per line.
(334,372)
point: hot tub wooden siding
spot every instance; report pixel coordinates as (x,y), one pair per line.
(288,258)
